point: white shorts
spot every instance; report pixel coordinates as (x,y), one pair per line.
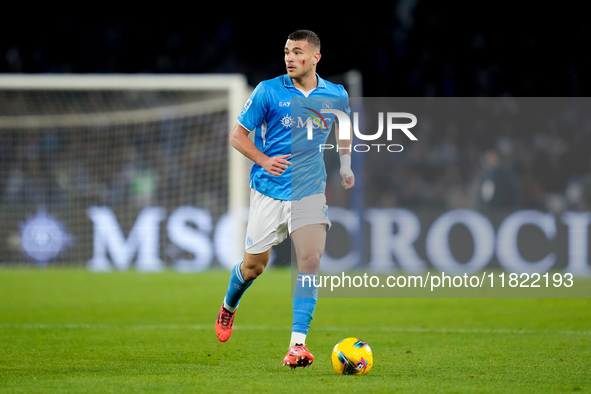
(270,221)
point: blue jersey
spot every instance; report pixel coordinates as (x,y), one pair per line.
(283,128)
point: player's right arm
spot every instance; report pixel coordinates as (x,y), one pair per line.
(240,141)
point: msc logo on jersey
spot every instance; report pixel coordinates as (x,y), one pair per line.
(286,121)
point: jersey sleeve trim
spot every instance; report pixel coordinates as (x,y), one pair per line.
(245,128)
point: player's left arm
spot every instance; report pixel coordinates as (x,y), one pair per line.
(344,149)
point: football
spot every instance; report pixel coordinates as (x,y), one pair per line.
(352,356)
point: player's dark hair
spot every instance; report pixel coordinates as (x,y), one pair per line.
(305,35)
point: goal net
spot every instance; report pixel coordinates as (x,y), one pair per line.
(121,171)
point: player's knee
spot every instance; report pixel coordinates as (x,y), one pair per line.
(253,271)
(309,262)
(254,265)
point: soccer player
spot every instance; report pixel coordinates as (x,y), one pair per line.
(273,212)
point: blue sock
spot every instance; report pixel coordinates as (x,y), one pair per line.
(236,287)
(305,298)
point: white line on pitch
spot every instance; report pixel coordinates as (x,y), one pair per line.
(204,327)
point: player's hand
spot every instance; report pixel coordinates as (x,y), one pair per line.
(276,165)
(348,181)
(346,172)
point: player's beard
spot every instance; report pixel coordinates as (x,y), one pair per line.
(299,73)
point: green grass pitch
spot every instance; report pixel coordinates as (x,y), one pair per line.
(70,330)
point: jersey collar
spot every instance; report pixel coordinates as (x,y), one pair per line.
(288,83)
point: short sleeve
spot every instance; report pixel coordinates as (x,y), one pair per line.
(346,107)
(255,109)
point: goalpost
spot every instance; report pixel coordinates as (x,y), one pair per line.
(128,144)
(121,171)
